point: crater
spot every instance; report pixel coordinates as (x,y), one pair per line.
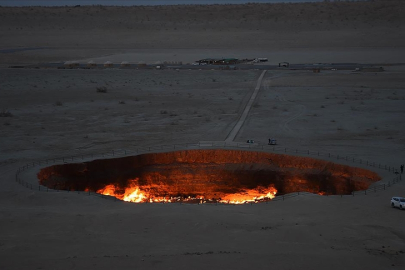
(228,176)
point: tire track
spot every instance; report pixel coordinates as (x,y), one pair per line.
(285,126)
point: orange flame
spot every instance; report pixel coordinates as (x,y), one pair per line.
(133,193)
(251,195)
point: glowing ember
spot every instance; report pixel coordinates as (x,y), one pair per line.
(135,194)
(252,195)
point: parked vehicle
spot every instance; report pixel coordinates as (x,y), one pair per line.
(398,202)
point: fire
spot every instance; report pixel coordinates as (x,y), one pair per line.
(135,194)
(251,195)
(131,194)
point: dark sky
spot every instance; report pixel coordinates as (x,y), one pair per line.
(132,2)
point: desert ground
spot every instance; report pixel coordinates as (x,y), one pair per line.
(52,113)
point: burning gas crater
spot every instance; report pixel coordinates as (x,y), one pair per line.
(206,176)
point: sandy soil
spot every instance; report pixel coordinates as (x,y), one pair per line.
(57,113)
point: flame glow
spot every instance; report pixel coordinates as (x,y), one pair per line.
(249,196)
(135,194)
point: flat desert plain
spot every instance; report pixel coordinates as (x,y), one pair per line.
(52,113)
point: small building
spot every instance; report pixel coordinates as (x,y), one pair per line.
(218,61)
(141,64)
(125,64)
(229,61)
(316,70)
(108,64)
(91,64)
(208,61)
(284,64)
(71,64)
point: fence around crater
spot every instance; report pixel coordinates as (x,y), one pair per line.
(383,185)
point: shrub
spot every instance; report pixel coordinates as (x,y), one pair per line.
(102,89)
(5,113)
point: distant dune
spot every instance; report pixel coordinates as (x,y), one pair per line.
(249,26)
